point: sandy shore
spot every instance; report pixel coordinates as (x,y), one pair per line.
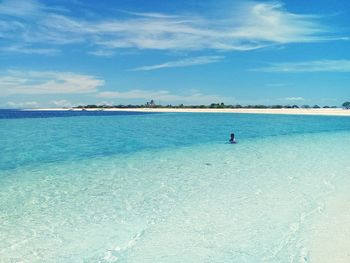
(326,112)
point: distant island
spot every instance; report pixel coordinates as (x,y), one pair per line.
(152,104)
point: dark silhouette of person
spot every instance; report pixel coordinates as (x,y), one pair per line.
(232,138)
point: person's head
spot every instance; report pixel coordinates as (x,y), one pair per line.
(232,136)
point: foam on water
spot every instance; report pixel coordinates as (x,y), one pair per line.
(257,201)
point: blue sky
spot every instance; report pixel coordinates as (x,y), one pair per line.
(58,53)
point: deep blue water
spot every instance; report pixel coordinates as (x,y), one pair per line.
(20,114)
(35,137)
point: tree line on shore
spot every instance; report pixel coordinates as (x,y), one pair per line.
(221,105)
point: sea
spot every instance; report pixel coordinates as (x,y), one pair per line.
(129,187)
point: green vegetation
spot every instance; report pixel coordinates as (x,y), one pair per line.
(346,105)
(221,105)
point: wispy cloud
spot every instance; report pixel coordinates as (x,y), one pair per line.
(16,82)
(294,98)
(166,96)
(30,50)
(153,15)
(61,103)
(27,8)
(253,25)
(102,53)
(22,105)
(47,82)
(342,65)
(188,62)
(20,8)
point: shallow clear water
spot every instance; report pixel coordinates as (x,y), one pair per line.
(166,187)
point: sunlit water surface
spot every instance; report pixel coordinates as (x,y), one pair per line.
(126,187)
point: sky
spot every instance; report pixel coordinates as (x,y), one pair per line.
(63,53)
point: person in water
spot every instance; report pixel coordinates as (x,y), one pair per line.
(232,139)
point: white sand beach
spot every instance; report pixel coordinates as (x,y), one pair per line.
(325,112)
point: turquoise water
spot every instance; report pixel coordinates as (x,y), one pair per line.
(166,187)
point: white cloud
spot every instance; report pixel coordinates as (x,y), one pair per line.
(21,105)
(61,103)
(15,82)
(342,65)
(20,7)
(183,63)
(294,98)
(47,82)
(153,15)
(166,96)
(102,53)
(107,103)
(252,25)
(29,50)
(27,8)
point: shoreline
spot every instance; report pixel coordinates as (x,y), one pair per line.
(321,112)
